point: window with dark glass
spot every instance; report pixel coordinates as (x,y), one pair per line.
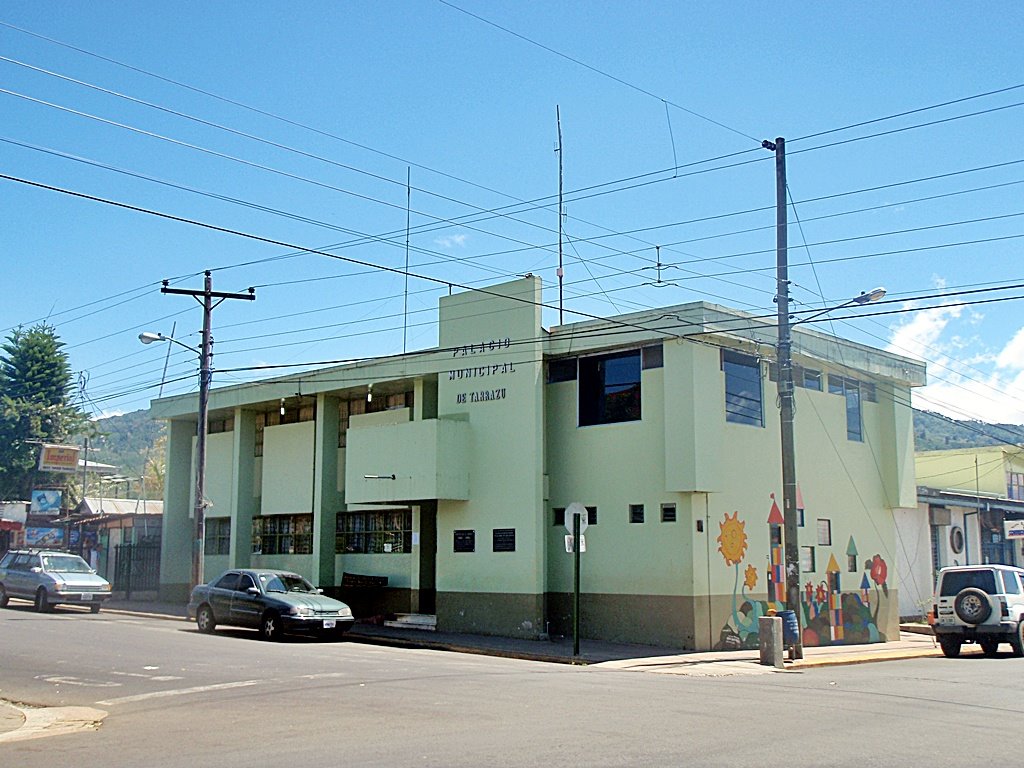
(384,532)
(636,513)
(609,388)
(668,513)
(850,390)
(217,536)
(743,403)
(282,535)
(560,370)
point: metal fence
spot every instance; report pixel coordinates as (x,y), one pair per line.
(136,568)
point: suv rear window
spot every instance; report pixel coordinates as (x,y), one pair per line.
(955,581)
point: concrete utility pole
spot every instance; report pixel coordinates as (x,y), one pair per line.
(784,354)
(205,297)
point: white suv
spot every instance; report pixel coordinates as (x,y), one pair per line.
(981,604)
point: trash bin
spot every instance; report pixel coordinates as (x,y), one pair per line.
(790,628)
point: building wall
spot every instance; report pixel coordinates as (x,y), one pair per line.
(914,571)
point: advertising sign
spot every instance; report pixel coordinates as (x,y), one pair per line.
(1014,529)
(13,512)
(44,537)
(45,502)
(58,458)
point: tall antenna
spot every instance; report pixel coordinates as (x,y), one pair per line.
(561,272)
(408,212)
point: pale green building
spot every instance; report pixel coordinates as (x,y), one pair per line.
(448,472)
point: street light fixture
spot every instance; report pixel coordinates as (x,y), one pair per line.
(205,373)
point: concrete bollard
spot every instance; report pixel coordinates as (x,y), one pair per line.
(769,637)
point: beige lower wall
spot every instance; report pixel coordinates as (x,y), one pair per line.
(506,615)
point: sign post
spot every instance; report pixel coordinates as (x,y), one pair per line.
(576,523)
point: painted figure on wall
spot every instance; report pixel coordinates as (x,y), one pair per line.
(829,614)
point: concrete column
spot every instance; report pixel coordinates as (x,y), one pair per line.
(327,497)
(769,638)
(243,490)
(176,548)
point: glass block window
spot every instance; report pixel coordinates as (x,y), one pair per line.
(282,535)
(385,532)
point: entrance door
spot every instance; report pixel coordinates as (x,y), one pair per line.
(428,558)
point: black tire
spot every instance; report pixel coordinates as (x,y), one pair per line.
(1017,640)
(989,645)
(4,597)
(42,602)
(94,608)
(972,606)
(950,646)
(206,622)
(270,627)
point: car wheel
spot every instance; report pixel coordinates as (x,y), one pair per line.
(1017,640)
(972,606)
(989,645)
(205,620)
(270,626)
(94,608)
(4,597)
(42,601)
(950,646)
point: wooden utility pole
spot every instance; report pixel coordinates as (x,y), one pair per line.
(206,298)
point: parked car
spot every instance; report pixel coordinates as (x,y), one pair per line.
(271,601)
(49,578)
(981,604)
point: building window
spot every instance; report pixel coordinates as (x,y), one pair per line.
(850,390)
(636,513)
(282,535)
(216,426)
(668,513)
(807,559)
(1015,485)
(653,356)
(824,532)
(810,379)
(742,388)
(561,370)
(559,516)
(370,533)
(609,388)
(217,536)
(503,540)
(261,423)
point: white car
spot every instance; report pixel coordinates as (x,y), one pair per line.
(981,604)
(49,578)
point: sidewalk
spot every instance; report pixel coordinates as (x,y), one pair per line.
(915,642)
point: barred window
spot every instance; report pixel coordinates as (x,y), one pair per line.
(282,535)
(217,536)
(388,532)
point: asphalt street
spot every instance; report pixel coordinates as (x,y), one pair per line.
(170,696)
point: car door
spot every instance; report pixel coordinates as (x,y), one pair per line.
(246,607)
(21,581)
(221,592)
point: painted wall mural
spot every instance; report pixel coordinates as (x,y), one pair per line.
(829,614)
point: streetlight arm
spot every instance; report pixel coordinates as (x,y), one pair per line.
(147,337)
(864,298)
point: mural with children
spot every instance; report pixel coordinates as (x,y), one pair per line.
(841,608)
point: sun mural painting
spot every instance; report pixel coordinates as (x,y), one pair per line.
(732,544)
(829,614)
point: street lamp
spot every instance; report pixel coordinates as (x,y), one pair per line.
(205,373)
(784,354)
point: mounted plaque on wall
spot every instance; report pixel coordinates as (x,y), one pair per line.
(504,540)
(465,541)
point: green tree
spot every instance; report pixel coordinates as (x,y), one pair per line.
(35,406)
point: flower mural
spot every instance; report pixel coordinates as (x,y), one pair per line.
(732,539)
(750,577)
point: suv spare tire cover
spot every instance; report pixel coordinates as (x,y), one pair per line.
(972,606)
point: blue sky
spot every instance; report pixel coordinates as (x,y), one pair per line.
(299,123)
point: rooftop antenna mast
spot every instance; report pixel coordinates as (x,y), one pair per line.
(561,272)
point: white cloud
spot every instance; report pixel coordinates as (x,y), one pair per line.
(451,241)
(967,381)
(1012,355)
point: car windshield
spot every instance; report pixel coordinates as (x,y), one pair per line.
(65,564)
(285,582)
(955,581)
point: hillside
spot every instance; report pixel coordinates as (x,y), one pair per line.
(934,432)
